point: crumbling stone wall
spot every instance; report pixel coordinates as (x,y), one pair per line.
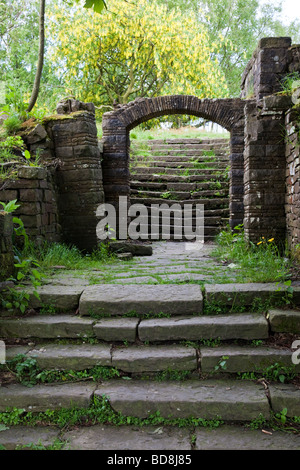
(292,200)
(273,59)
(266,147)
(6,246)
(35,191)
(58,200)
(78,173)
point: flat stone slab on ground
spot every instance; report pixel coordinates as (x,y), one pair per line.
(46,397)
(244,294)
(116,329)
(285,396)
(194,328)
(284,321)
(154,358)
(19,436)
(227,399)
(102,437)
(70,356)
(60,326)
(111,299)
(237,437)
(243,358)
(65,298)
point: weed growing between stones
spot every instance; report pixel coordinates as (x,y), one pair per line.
(260,262)
(275,373)
(26,371)
(100,411)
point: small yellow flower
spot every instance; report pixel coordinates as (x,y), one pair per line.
(271,240)
(259,243)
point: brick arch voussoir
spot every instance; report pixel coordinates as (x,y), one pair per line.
(225,112)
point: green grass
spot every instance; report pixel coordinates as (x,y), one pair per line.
(261,262)
(58,254)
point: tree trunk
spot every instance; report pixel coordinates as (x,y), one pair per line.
(37,80)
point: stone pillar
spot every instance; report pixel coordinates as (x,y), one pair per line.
(236,189)
(116,174)
(79,172)
(292,201)
(6,246)
(269,64)
(264,174)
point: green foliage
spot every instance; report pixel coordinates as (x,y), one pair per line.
(275,372)
(10,206)
(100,411)
(27,372)
(261,262)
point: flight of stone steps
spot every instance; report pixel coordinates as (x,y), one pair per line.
(182,171)
(153,335)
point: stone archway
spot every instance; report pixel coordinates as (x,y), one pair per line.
(229,113)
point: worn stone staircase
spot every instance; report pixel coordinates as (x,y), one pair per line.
(183,171)
(176,358)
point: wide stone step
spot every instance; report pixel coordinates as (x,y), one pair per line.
(46,397)
(195,328)
(141,300)
(212,203)
(129,359)
(182,165)
(177,195)
(235,295)
(239,359)
(139,170)
(117,329)
(169,158)
(229,400)
(187,141)
(156,178)
(191,146)
(105,437)
(144,185)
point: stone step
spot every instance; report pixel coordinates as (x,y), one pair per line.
(154,177)
(179,160)
(186,141)
(190,146)
(129,359)
(138,170)
(247,294)
(229,400)
(195,328)
(209,399)
(117,329)
(178,186)
(155,358)
(141,300)
(212,203)
(151,162)
(177,195)
(150,438)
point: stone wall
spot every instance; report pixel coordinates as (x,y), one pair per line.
(292,200)
(58,200)
(78,175)
(273,59)
(34,189)
(6,246)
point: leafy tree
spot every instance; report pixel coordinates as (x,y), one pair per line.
(242,23)
(140,50)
